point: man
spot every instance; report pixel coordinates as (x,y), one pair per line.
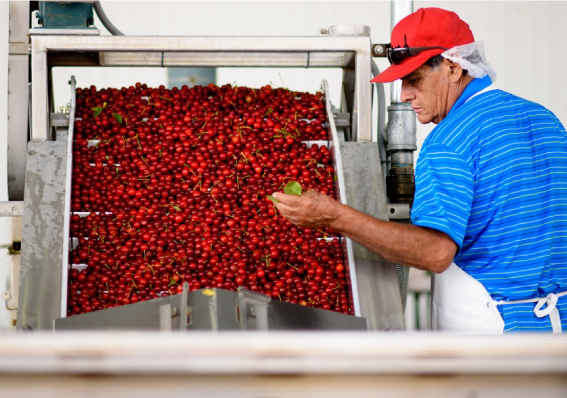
(490,210)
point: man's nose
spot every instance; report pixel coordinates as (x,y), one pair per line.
(407,93)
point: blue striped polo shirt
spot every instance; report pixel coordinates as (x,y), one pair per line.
(493,176)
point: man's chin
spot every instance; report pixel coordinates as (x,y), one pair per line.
(424,119)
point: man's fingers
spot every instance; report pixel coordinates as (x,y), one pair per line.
(288,199)
(284,208)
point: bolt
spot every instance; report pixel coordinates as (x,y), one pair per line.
(378,49)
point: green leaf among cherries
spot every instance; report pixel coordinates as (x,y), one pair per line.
(292,188)
(97,110)
(117,117)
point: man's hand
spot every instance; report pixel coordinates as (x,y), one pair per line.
(310,210)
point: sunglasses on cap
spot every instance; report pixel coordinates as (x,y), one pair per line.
(398,54)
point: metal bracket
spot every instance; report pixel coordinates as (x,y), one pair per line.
(12,209)
(167,312)
(379,50)
(253,305)
(59,119)
(165,315)
(184,312)
(341,119)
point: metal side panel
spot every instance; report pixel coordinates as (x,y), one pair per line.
(158,314)
(376,278)
(286,316)
(42,240)
(213,310)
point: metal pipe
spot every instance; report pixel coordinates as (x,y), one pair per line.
(399,9)
(105,21)
(401,118)
(400,184)
(401,128)
(402,159)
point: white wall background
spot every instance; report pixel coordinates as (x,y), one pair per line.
(523,39)
(524,42)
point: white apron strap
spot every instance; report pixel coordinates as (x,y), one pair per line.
(550,310)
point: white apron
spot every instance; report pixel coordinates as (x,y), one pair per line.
(461,303)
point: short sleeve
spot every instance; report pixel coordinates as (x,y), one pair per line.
(444,191)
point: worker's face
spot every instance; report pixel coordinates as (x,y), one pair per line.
(428,92)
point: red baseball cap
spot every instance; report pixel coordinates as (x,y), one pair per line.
(427,27)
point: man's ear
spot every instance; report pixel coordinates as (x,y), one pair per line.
(456,71)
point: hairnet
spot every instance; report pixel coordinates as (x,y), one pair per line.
(471,57)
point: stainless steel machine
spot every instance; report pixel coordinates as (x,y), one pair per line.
(359,155)
(175,343)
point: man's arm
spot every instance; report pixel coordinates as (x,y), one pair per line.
(406,244)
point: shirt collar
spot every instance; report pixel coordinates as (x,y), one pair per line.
(472,88)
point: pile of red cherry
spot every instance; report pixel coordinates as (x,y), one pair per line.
(169,186)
